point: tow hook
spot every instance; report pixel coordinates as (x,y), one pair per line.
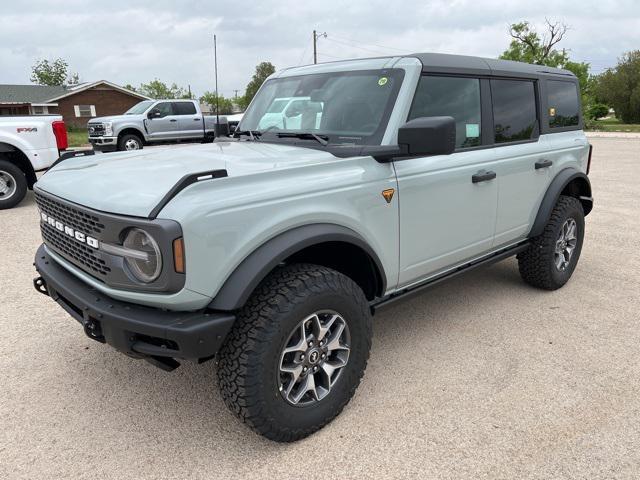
(40,285)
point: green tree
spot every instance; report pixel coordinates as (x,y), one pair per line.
(128,86)
(225,104)
(160,90)
(528,46)
(620,87)
(597,110)
(56,72)
(263,70)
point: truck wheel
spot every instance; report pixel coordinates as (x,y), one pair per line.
(13,185)
(552,257)
(129,142)
(297,352)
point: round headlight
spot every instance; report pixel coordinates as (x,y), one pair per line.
(146,265)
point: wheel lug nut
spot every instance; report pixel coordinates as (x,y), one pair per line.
(315,369)
(302,357)
(304,369)
(322,356)
(311,344)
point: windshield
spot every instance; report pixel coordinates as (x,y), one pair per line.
(343,107)
(139,108)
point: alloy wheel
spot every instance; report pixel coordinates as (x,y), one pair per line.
(314,357)
(566,244)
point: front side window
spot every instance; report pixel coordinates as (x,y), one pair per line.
(344,107)
(164,108)
(562,99)
(514,110)
(451,97)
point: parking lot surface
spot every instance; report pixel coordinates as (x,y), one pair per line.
(481,377)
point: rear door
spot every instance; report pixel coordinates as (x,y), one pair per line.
(189,120)
(162,127)
(524,170)
(448,202)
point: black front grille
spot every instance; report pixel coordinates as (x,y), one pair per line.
(95,129)
(73,217)
(74,250)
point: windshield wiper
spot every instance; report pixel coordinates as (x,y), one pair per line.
(250,133)
(323,140)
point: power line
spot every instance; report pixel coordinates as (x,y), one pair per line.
(368,44)
(377,52)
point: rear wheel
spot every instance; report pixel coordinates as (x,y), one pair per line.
(297,352)
(552,257)
(13,185)
(129,142)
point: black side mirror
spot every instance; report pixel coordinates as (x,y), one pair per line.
(154,114)
(428,136)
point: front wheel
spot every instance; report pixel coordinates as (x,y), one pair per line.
(552,257)
(297,352)
(13,185)
(129,142)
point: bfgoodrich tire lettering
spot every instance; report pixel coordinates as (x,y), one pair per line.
(539,263)
(249,367)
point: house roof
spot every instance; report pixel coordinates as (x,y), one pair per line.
(49,94)
(29,93)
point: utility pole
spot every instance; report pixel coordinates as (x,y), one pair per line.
(235,94)
(315,42)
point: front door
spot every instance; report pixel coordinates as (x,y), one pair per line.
(447,202)
(163,124)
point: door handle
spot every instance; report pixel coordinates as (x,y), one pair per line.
(173,120)
(196,119)
(483,176)
(543,164)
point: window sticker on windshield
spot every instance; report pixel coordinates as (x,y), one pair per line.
(473,130)
(382,81)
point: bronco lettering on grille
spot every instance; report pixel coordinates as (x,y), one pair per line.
(73,233)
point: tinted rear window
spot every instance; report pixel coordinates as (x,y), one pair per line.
(514,110)
(184,108)
(563,103)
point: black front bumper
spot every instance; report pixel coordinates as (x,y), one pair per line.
(138,331)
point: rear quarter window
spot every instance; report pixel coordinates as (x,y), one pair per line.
(562,100)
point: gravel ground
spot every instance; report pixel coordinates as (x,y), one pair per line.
(482,377)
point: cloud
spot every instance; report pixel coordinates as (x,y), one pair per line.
(129,42)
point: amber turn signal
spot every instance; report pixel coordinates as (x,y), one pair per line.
(178,255)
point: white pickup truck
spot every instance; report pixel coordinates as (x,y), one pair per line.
(27,145)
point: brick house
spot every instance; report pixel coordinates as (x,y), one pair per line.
(76,103)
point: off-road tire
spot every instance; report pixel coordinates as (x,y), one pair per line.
(18,182)
(122,141)
(536,263)
(249,359)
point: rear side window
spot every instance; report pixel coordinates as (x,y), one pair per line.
(562,99)
(184,108)
(514,110)
(452,97)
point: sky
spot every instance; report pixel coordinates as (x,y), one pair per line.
(137,41)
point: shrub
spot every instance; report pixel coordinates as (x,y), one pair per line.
(597,110)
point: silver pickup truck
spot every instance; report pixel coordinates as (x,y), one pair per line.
(151,121)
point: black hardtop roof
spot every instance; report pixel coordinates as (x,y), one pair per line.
(464,64)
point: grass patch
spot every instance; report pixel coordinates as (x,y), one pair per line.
(77,137)
(612,124)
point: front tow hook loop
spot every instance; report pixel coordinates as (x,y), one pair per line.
(40,285)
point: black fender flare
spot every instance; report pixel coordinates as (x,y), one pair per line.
(237,288)
(557,186)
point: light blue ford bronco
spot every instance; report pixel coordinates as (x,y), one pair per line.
(348,186)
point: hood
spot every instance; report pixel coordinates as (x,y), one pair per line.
(133,183)
(115,118)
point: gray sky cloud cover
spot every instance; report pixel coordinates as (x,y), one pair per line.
(136,41)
